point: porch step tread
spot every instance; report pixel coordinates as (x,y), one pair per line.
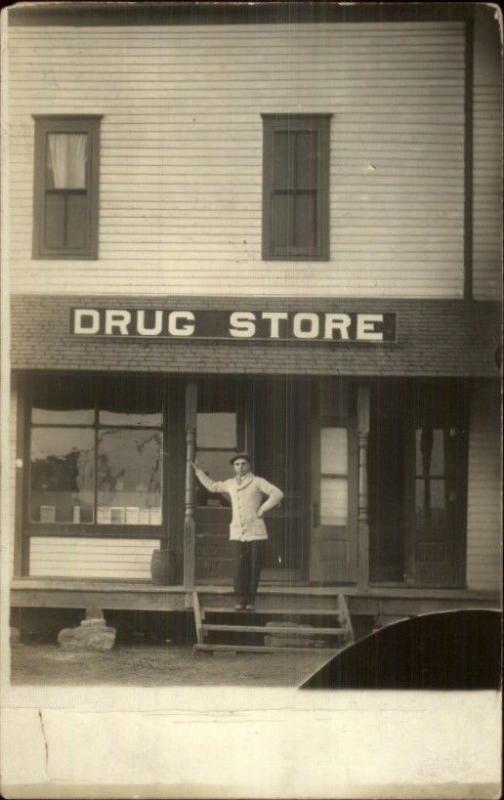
(250,648)
(284,629)
(290,612)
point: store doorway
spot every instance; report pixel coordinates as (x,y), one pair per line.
(280,414)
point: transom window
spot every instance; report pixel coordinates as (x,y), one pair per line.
(66,187)
(96,453)
(296,186)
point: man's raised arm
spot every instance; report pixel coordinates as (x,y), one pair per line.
(207,482)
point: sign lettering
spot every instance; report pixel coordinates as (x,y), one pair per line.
(303,326)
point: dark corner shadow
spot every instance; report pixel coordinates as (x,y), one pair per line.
(446,650)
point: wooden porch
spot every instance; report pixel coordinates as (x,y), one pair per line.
(377,601)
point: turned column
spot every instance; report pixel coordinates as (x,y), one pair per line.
(363,413)
(189,525)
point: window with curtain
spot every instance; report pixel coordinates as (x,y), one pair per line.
(96,453)
(296,186)
(66,187)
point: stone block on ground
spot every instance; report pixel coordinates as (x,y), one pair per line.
(93,634)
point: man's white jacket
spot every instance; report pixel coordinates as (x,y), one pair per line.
(247,497)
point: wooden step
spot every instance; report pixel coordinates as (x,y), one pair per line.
(250,648)
(273,630)
(309,612)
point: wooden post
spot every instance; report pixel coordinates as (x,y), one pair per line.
(363,413)
(191,398)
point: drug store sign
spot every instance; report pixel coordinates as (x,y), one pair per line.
(233,325)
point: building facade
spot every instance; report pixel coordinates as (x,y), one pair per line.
(266,229)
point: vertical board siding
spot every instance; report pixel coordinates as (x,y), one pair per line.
(91,558)
(484,491)
(8,512)
(487,158)
(181,160)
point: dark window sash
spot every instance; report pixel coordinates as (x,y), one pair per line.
(288,184)
(70,230)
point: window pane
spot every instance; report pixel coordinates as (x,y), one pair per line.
(430,502)
(281,161)
(305,222)
(306,160)
(334,451)
(216,430)
(130,401)
(129,477)
(66,160)
(76,220)
(62,475)
(281,226)
(333,501)
(54,220)
(63,401)
(430,451)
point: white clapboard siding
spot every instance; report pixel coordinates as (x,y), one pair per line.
(484,491)
(487,159)
(181,153)
(91,558)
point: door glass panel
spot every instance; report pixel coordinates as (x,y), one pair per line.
(333,501)
(334,451)
(216,464)
(430,451)
(62,475)
(129,477)
(430,502)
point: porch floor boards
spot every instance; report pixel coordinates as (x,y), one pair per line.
(144,596)
(145,587)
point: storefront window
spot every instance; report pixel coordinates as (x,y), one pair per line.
(129,477)
(96,453)
(62,475)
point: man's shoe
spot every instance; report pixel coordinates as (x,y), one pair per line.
(239,607)
(250,607)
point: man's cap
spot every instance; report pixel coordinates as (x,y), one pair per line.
(240,455)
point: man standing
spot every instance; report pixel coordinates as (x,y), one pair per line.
(247,531)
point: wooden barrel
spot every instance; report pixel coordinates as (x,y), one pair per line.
(163,567)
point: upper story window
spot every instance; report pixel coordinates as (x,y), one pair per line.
(65,223)
(296,186)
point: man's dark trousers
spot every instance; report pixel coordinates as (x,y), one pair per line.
(248,560)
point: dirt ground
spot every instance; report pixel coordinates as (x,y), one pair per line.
(157,665)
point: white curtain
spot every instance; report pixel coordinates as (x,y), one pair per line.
(67,159)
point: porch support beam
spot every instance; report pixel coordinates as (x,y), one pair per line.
(191,399)
(363,415)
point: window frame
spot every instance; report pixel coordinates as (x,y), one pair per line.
(66,123)
(94,529)
(319,123)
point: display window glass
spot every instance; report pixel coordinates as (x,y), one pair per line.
(96,449)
